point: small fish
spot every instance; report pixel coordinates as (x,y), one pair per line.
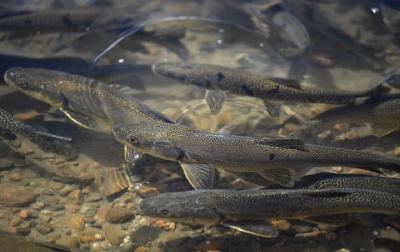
(16,243)
(247,209)
(275,159)
(92,104)
(46,141)
(49,21)
(242,82)
(382,113)
(356,181)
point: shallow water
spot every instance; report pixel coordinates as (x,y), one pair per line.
(78,203)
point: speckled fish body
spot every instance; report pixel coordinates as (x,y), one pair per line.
(243,153)
(383,112)
(81,96)
(245,83)
(76,20)
(215,206)
(48,142)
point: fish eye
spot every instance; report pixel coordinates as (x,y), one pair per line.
(164,212)
(133,140)
(23,85)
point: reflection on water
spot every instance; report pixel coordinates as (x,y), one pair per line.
(90,200)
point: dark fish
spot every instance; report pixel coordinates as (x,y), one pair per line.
(233,208)
(383,113)
(275,159)
(242,82)
(93,105)
(46,141)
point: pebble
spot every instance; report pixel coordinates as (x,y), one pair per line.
(38,205)
(119,215)
(66,190)
(15,176)
(87,239)
(24,228)
(25,214)
(77,222)
(44,228)
(55,186)
(147,191)
(68,241)
(113,234)
(5,164)
(75,196)
(15,196)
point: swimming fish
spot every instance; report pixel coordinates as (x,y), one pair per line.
(383,113)
(275,159)
(46,141)
(241,82)
(94,105)
(247,209)
(62,20)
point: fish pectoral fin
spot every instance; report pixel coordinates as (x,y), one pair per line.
(53,137)
(200,176)
(287,82)
(286,142)
(215,99)
(282,176)
(253,228)
(80,119)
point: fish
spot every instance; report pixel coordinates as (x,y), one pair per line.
(274,159)
(17,243)
(241,82)
(246,210)
(382,113)
(330,181)
(94,105)
(49,142)
(62,20)
(75,65)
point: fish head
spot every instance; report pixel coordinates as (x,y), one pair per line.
(149,137)
(190,207)
(41,84)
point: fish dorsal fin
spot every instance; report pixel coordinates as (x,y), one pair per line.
(287,82)
(327,193)
(285,142)
(200,176)
(215,100)
(254,228)
(282,176)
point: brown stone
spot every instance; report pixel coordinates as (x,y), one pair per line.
(147,191)
(55,186)
(119,215)
(102,212)
(141,249)
(77,222)
(113,234)
(75,196)
(44,228)
(15,176)
(15,196)
(25,213)
(87,238)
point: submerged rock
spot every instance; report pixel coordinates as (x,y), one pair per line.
(119,215)
(15,196)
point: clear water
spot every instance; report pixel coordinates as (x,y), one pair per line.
(347,45)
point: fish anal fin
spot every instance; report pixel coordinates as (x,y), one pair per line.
(80,119)
(254,228)
(282,176)
(200,176)
(286,142)
(215,99)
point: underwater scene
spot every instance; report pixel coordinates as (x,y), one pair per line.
(200,125)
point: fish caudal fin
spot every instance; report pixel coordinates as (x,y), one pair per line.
(200,176)
(282,176)
(215,100)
